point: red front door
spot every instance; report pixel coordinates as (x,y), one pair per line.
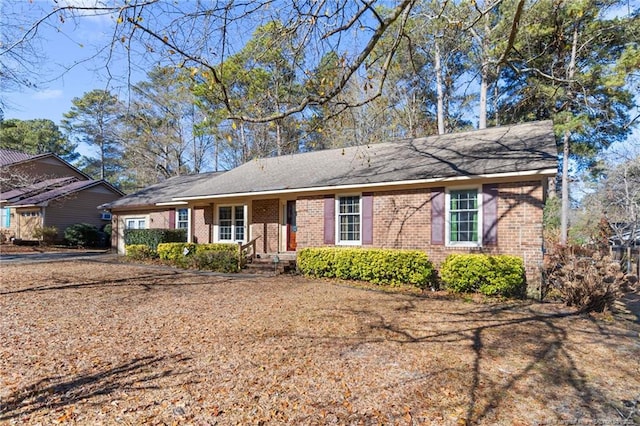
(291,225)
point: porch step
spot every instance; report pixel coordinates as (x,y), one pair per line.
(266,265)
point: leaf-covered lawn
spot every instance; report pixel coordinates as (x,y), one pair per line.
(99,343)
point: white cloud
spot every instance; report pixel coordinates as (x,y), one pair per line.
(48,94)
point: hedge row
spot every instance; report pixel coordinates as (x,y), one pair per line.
(212,257)
(501,275)
(491,275)
(153,237)
(379,266)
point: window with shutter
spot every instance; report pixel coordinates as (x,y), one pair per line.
(463,217)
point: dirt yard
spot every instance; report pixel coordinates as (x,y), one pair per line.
(99,343)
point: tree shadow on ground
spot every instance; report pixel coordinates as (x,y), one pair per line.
(60,391)
(490,332)
(146,281)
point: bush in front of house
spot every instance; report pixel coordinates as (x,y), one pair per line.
(213,257)
(139,252)
(491,275)
(46,234)
(216,260)
(81,234)
(176,254)
(153,237)
(378,266)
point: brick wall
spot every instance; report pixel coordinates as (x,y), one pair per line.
(265,223)
(402,219)
(201,224)
(310,222)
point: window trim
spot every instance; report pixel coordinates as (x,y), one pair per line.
(216,227)
(187,221)
(338,241)
(126,219)
(447,231)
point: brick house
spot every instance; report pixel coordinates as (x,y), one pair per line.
(479,191)
(44,190)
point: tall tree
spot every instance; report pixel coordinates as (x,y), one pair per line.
(261,79)
(37,136)
(160,135)
(563,68)
(95,120)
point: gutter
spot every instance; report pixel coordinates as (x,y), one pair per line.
(544,172)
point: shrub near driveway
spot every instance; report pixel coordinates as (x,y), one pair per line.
(212,257)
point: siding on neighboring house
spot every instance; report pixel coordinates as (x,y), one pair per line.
(80,207)
(46,168)
(13,217)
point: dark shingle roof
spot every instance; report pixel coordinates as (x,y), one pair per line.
(162,192)
(36,188)
(526,147)
(58,192)
(8,156)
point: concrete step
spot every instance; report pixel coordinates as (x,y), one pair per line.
(265,264)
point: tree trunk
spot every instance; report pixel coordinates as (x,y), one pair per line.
(278,139)
(566,149)
(564,213)
(484,86)
(243,141)
(438,71)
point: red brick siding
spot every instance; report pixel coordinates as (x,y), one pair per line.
(201,223)
(265,223)
(402,219)
(310,221)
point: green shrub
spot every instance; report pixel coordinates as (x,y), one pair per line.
(81,234)
(46,234)
(501,275)
(139,252)
(378,266)
(153,237)
(216,260)
(214,257)
(175,251)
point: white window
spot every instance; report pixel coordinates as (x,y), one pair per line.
(30,214)
(231,223)
(182,218)
(349,220)
(135,223)
(464,221)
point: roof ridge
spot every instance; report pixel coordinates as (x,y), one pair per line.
(401,140)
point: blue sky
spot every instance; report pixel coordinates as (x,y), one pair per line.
(67,70)
(57,86)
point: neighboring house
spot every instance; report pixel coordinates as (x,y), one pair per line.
(44,190)
(480,191)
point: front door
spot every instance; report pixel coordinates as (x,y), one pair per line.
(291,225)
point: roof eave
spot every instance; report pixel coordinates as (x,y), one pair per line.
(540,173)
